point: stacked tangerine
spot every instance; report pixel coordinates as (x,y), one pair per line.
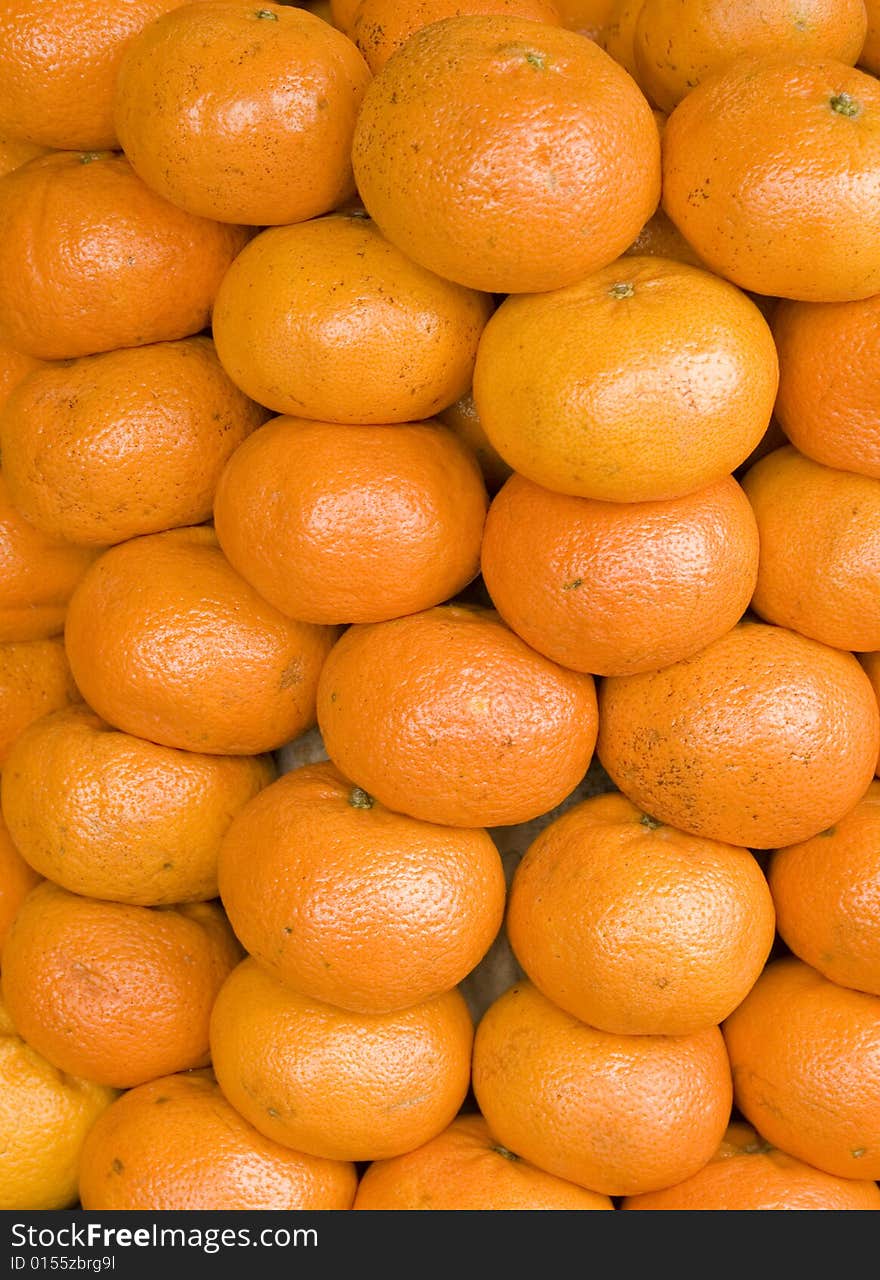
(440,609)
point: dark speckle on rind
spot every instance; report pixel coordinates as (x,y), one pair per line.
(291,675)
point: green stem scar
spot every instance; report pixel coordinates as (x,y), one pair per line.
(621,290)
(503,1151)
(360,799)
(844,105)
(647,821)
(266,15)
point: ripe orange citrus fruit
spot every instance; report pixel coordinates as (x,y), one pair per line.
(380,27)
(770,172)
(826,892)
(748,1173)
(507,154)
(128,442)
(326,888)
(619,587)
(449,716)
(829,373)
(804,1053)
(870,663)
(327,319)
(58,68)
(337,1084)
(284,89)
(17,878)
(587,16)
(869,58)
(819,533)
(462,418)
(601,389)
(342,523)
(14,368)
(15,152)
(35,678)
(176,1144)
(114,993)
(465,1169)
(45,1117)
(169,643)
(109,815)
(618,1114)
(677,43)
(153,269)
(763,738)
(635,927)
(38,573)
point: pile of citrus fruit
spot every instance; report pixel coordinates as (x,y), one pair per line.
(440,605)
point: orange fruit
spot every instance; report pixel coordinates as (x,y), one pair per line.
(342,13)
(115,993)
(617,1114)
(326,319)
(499,968)
(17,878)
(176,1144)
(677,44)
(870,663)
(590,17)
(770,172)
(327,889)
(92,259)
(619,587)
(635,927)
(38,573)
(804,1054)
(763,738)
(447,715)
(462,418)
(35,678)
(661,238)
(600,390)
(15,152)
(112,816)
(826,892)
(509,155)
(747,1172)
(617,35)
(319,7)
(128,442)
(340,523)
(167,642)
(819,530)
(58,67)
(14,368)
(465,1169)
(45,1117)
(829,365)
(331,1083)
(773,438)
(285,88)
(869,57)
(380,27)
